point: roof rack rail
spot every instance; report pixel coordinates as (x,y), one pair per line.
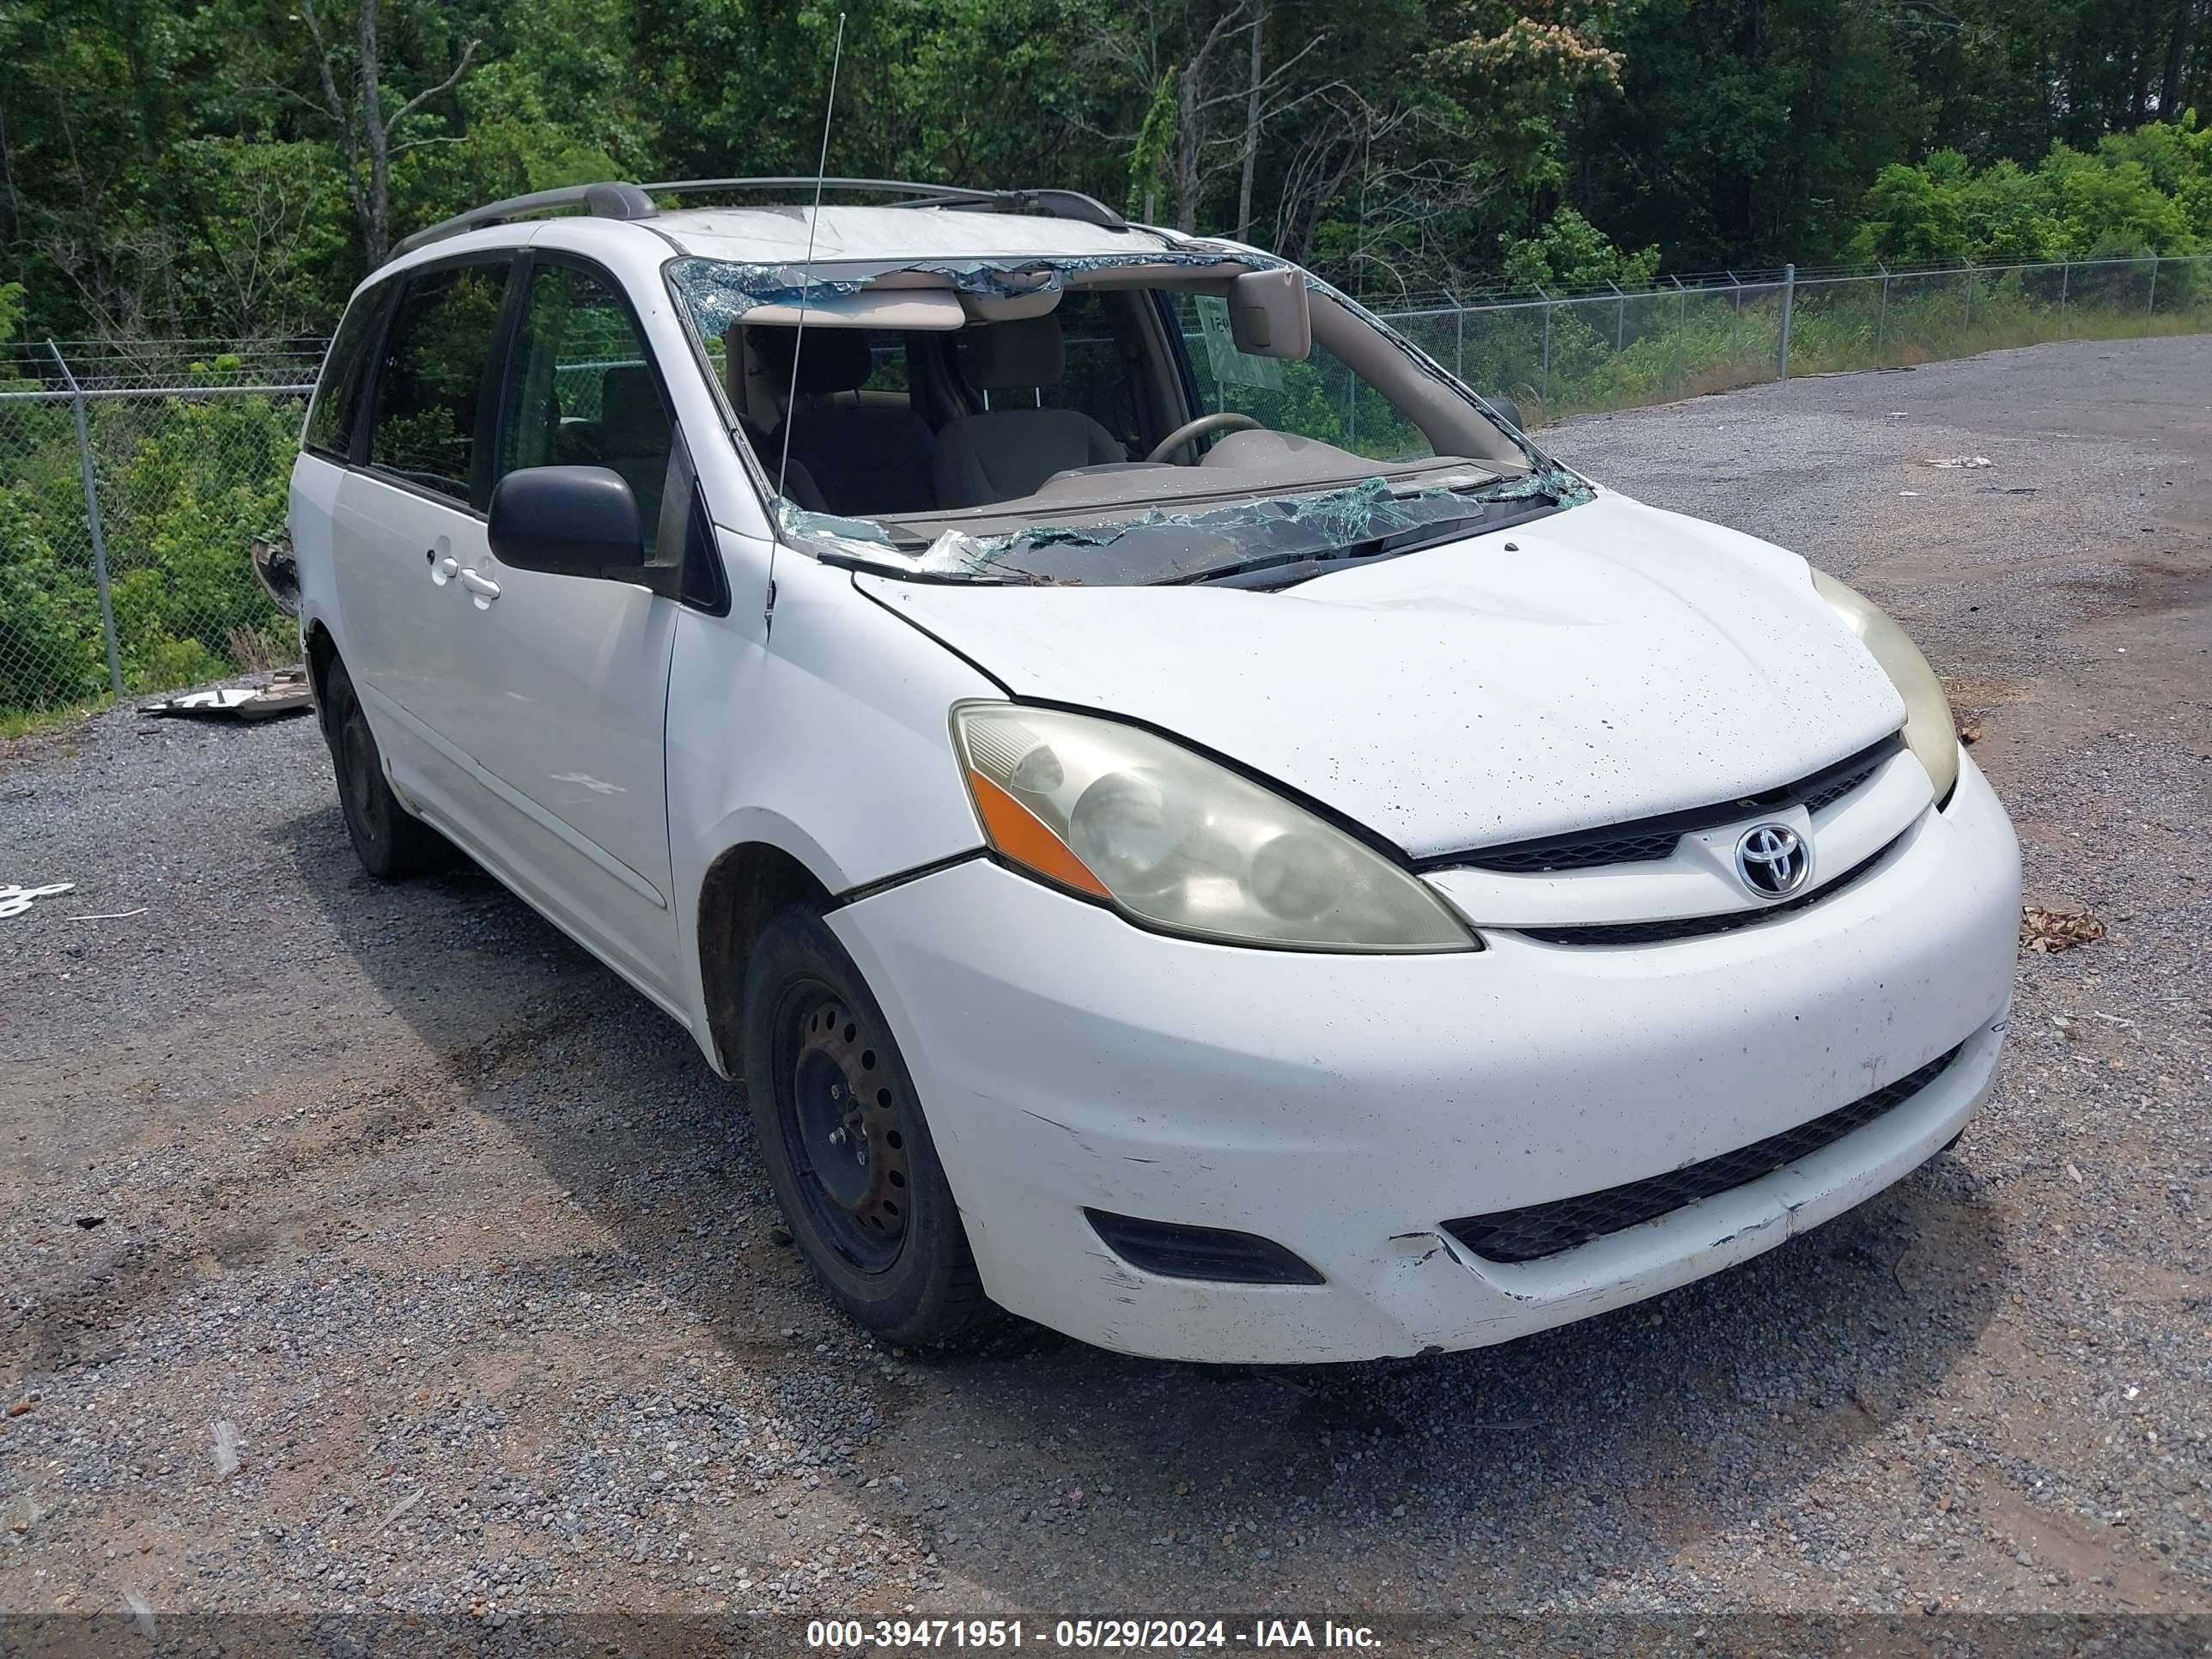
(614,199)
(1058,203)
(609,200)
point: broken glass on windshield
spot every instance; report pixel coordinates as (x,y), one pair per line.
(1100,419)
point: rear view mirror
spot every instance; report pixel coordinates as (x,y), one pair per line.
(573,521)
(1267,315)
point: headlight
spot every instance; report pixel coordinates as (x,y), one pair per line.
(1180,843)
(1929,730)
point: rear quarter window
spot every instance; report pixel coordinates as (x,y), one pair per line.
(337,389)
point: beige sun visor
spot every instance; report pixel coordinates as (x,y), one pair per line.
(918,308)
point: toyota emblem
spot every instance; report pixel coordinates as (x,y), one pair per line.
(1773,860)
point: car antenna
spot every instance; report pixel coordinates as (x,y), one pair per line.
(806,270)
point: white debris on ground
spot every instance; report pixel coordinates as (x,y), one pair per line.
(15,899)
(284,692)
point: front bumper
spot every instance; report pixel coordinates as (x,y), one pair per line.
(1345,1107)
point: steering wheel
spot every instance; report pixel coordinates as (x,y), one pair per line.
(1227,420)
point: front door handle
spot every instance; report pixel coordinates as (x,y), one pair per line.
(483,587)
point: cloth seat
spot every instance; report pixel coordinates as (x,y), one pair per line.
(1002,454)
(865,458)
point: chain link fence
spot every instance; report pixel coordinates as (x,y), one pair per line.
(1564,352)
(133,477)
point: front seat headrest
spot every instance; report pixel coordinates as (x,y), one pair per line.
(830,359)
(1002,356)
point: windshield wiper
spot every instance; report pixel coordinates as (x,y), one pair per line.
(1272,571)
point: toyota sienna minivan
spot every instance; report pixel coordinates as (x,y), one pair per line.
(1191,829)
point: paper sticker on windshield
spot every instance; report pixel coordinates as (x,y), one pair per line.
(1228,364)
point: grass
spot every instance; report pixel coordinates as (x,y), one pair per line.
(258,650)
(2007,333)
(1833,346)
(27,722)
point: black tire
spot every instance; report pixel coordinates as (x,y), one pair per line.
(825,1079)
(392,843)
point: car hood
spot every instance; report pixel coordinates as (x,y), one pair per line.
(1608,662)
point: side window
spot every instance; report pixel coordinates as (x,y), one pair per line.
(337,393)
(428,403)
(580,389)
(1321,398)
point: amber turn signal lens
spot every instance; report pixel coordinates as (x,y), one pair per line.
(1024,837)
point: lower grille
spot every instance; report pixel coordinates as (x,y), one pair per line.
(1212,1253)
(1542,1229)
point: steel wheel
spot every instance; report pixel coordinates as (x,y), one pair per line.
(844,1129)
(846,1142)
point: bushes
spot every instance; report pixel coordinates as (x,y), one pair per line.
(184,484)
(2146,192)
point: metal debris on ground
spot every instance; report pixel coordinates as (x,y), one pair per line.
(1960,461)
(226,1449)
(15,899)
(285,694)
(2057,930)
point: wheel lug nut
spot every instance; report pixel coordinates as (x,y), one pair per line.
(836,1137)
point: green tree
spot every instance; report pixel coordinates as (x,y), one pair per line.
(2148,191)
(1570,253)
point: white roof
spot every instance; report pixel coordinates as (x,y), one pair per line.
(777,235)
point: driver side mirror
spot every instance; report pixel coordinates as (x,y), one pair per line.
(1268,316)
(574,521)
(1507,411)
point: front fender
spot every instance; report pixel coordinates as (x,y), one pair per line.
(825,733)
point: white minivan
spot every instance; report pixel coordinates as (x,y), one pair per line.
(1191,829)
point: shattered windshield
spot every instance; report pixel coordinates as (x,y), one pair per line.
(1152,417)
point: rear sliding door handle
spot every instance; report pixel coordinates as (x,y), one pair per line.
(483,587)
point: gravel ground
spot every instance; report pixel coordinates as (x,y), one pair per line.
(477,1261)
